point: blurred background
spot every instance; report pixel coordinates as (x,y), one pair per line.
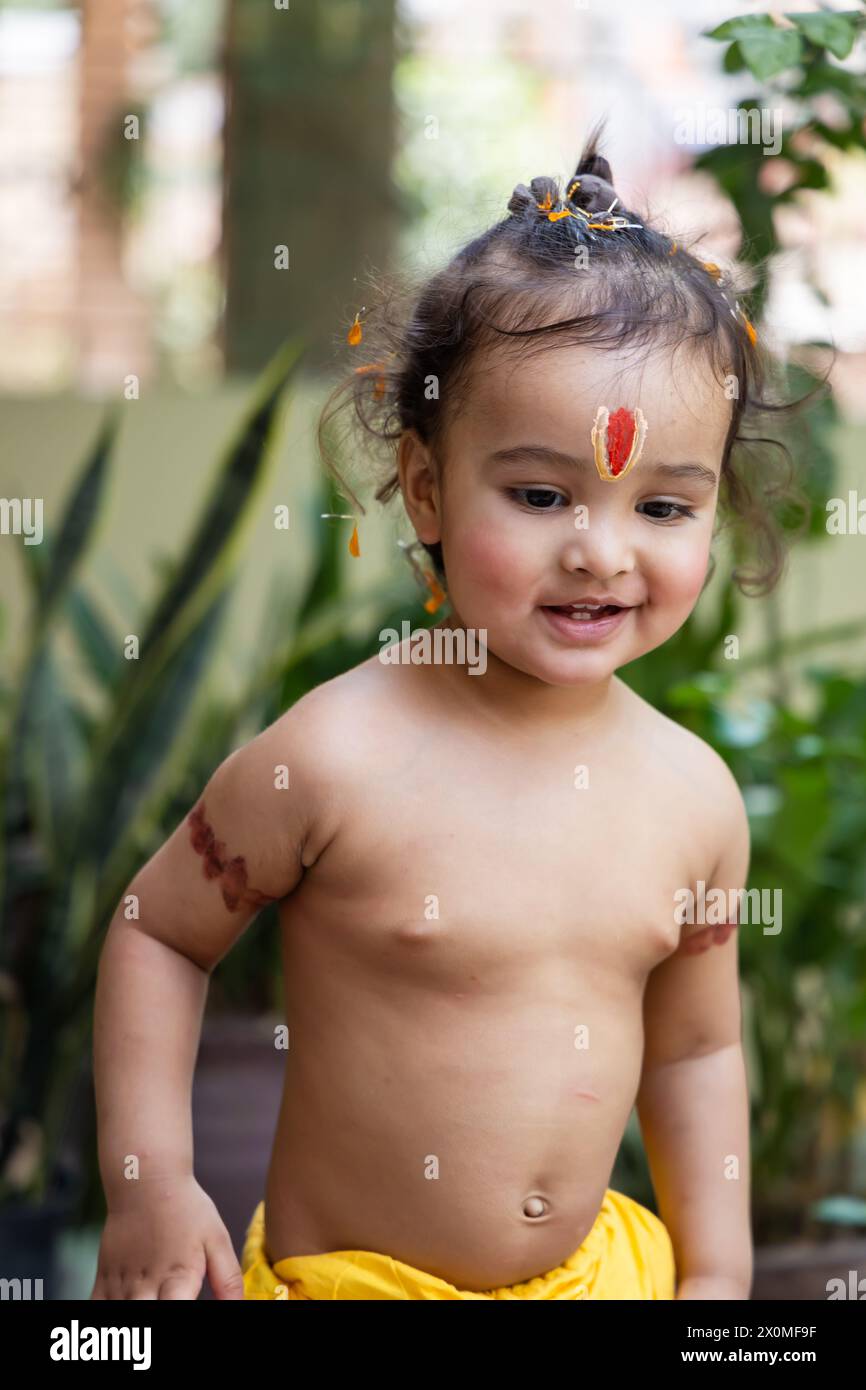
(192,196)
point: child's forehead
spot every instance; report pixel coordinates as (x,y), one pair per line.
(567,384)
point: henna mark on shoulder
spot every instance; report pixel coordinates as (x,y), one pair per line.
(714,935)
(231,871)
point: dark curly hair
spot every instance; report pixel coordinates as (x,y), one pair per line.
(638,286)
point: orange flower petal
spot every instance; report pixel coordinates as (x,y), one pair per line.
(437,594)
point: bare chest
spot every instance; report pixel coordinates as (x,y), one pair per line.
(453,869)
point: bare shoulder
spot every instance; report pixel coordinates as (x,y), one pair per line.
(708,788)
(334,721)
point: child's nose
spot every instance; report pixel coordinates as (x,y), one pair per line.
(603,545)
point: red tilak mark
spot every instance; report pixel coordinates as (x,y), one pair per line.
(233,872)
(715,935)
(620,437)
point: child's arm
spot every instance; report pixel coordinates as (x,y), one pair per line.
(693,1102)
(240,847)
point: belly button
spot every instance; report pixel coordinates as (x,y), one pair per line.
(534,1206)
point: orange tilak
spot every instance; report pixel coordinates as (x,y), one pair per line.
(354,548)
(355,334)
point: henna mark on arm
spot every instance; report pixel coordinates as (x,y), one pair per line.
(232,872)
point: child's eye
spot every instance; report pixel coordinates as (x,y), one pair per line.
(534,494)
(677,507)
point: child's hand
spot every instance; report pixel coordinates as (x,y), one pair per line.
(159,1241)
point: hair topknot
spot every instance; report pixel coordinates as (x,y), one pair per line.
(522,281)
(590,187)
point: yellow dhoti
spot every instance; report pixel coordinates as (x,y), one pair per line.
(626,1255)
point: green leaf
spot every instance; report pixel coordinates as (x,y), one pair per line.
(769,51)
(122,785)
(54,755)
(826,31)
(78,522)
(811,174)
(741,25)
(208,557)
(733,59)
(98,644)
(217,531)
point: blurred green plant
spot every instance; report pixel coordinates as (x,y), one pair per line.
(803,779)
(804,991)
(89,794)
(83,789)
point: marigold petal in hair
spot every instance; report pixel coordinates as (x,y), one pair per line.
(354,547)
(612,224)
(617,441)
(437,596)
(355,333)
(736,312)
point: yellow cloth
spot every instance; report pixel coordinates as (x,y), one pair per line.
(626,1255)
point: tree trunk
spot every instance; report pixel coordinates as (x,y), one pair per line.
(308,147)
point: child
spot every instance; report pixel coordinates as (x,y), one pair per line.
(481,874)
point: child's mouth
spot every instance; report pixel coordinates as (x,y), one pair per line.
(581,622)
(583,613)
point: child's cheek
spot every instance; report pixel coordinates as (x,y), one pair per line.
(682,579)
(491,559)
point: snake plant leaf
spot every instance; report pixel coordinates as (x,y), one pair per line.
(78,522)
(140,774)
(36,559)
(217,533)
(99,646)
(54,755)
(143,739)
(206,564)
(49,577)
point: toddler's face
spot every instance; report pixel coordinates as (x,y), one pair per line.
(508,527)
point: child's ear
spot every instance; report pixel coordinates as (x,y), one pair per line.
(418,483)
